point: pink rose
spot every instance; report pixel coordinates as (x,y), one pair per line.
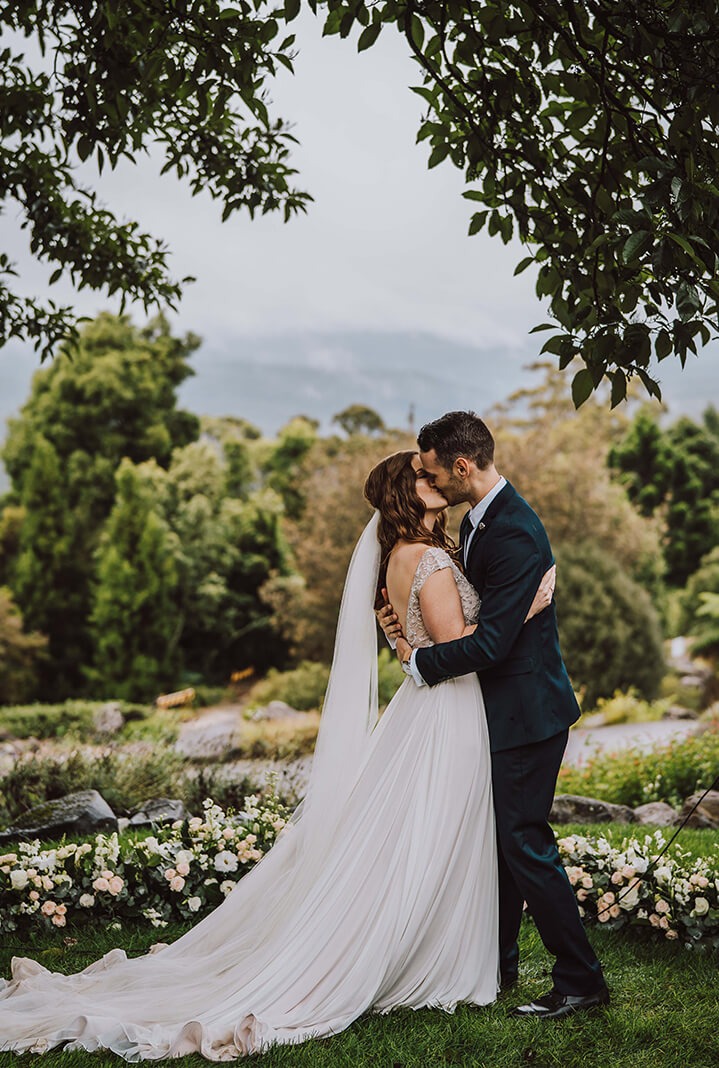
(170,873)
(654,919)
(582,895)
(59,921)
(116,885)
(48,908)
(101,884)
(177,883)
(662,906)
(664,923)
(34,895)
(61,910)
(615,911)
(106,874)
(628,871)
(587,882)
(617,877)
(183,869)
(671,933)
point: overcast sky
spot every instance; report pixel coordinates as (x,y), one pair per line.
(377,295)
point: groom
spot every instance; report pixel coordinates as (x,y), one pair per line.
(529,701)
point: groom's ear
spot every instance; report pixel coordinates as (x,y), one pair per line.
(462,467)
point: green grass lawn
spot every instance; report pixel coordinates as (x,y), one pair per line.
(664,1014)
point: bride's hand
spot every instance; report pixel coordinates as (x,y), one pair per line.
(544,594)
(387,619)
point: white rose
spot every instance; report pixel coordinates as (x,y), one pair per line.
(225,861)
(630,899)
(18,879)
(227,886)
(701,906)
(86,900)
(185,856)
(193,903)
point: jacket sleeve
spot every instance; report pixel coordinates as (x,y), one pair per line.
(513,575)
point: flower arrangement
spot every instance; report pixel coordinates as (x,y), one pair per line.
(678,899)
(183,870)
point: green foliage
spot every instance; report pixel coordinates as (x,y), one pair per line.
(70,719)
(630,776)
(390,675)
(608,629)
(675,470)
(115,82)
(114,398)
(699,617)
(133,617)
(303,688)
(123,778)
(358,419)
(629,708)
(19,652)
(276,739)
(283,466)
(589,131)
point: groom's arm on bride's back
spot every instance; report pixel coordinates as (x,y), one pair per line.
(514,572)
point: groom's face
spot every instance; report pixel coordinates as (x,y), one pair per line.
(447,482)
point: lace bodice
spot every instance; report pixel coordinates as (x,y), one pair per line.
(434,559)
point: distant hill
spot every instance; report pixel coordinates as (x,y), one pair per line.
(269,379)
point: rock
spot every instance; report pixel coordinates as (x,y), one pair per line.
(157,810)
(656,812)
(695,679)
(679,712)
(276,710)
(707,814)
(569,808)
(85,812)
(108,719)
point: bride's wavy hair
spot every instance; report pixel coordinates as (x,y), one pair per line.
(390,487)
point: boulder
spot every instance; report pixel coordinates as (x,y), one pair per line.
(706,815)
(108,719)
(570,808)
(679,712)
(84,813)
(276,710)
(157,810)
(656,812)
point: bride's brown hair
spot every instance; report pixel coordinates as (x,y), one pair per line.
(390,487)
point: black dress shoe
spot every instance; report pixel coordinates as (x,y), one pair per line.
(506,982)
(553,1005)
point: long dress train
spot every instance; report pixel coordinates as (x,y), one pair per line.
(399,908)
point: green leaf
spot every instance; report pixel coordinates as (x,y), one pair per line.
(554,344)
(582,386)
(619,387)
(636,245)
(663,345)
(477,222)
(368,36)
(523,264)
(543,326)
(292,9)
(437,155)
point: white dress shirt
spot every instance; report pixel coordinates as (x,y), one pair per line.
(476,515)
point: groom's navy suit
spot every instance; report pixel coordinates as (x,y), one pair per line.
(530,705)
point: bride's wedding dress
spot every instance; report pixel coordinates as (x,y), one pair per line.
(381,892)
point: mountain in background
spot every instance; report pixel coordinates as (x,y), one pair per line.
(269,379)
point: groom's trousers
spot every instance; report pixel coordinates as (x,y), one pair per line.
(530,869)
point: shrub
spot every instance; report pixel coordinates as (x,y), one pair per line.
(630,708)
(695,619)
(302,688)
(608,628)
(276,739)
(70,718)
(634,776)
(124,777)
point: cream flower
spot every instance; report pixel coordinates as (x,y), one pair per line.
(701,906)
(101,884)
(86,900)
(177,883)
(227,886)
(183,869)
(193,903)
(587,882)
(106,874)
(116,885)
(33,895)
(18,879)
(225,861)
(662,907)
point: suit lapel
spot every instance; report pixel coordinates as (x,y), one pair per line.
(506,494)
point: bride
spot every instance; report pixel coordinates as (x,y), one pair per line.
(382,889)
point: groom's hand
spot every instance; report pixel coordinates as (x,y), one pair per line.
(388,621)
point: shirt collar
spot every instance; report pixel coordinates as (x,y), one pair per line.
(480,508)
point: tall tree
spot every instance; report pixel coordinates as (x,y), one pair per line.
(113,81)
(115,398)
(590,130)
(133,620)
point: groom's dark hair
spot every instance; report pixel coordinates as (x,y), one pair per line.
(458,434)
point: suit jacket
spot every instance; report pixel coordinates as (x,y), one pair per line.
(527,692)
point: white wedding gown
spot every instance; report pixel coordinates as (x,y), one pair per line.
(397,908)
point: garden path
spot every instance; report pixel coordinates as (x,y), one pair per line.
(585,742)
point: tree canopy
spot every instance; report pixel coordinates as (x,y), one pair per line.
(590,130)
(112,80)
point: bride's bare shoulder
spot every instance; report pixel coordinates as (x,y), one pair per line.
(405,556)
